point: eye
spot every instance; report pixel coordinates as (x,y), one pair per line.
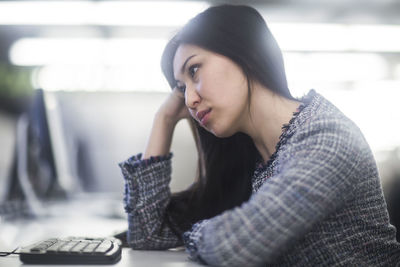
(181,88)
(193,69)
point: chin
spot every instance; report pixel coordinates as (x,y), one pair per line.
(221,133)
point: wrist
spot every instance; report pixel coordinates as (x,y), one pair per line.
(166,119)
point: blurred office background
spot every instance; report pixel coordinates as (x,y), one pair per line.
(97,63)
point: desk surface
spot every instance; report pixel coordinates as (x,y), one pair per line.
(131,258)
(92,218)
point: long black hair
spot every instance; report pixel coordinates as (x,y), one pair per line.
(225,165)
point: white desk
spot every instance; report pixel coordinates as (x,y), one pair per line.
(131,258)
(95,218)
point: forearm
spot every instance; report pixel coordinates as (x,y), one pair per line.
(164,122)
(159,141)
(147,195)
(147,177)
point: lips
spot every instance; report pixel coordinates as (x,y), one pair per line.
(201,115)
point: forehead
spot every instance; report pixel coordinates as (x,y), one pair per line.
(182,53)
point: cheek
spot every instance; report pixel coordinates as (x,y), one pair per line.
(228,80)
(210,86)
(192,113)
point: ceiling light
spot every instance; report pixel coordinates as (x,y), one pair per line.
(148,13)
(115,51)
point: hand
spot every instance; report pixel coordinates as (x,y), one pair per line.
(174,108)
(170,112)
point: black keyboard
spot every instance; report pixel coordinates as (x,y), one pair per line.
(73,250)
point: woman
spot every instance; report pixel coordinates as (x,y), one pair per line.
(281,181)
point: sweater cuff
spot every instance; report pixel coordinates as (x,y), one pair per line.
(136,161)
(192,240)
(151,175)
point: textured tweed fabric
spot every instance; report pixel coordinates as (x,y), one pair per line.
(317,202)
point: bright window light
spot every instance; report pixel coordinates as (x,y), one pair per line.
(310,37)
(100,78)
(143,56)
(93,64)
(374,108)
(115,51)
(335,67)
(375,38)
(148,13)
(337,37)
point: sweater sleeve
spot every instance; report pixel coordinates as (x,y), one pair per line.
(146,197)
(315,178)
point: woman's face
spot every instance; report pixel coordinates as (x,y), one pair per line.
(215,89)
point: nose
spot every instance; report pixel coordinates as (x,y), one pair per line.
(192,97)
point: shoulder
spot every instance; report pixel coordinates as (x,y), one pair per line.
(322,136)
(322,124)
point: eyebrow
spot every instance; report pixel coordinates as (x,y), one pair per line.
(184,65)
(186,61)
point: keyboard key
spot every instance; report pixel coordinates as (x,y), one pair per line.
(104,247)
(68,246)
(43,245)
(91,247)
(56,246)
(38,249)
(79,247)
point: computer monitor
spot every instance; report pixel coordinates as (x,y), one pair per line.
(70,143)
(36,173)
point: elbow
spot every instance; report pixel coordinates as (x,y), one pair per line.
(145,244)
(140,242)
(150,242)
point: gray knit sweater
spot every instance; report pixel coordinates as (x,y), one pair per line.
(317,202)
